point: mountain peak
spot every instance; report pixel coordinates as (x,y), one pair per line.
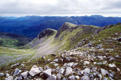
(69,25)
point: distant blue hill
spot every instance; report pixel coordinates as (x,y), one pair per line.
(30,26)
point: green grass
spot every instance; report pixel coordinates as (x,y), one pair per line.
(8,42)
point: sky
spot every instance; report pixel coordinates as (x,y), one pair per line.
(60,7)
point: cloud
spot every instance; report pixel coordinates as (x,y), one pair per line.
(60,7)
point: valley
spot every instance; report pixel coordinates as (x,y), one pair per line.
(73,52)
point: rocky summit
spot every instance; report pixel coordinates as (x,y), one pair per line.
(71,53)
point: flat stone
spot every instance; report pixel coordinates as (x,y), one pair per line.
(86,70)
(56,64)
(47,72)
(85,78)
(9,78)
(68,71)
(104,72)
(77,77)
(34,70)
(41,69)
(7,75)
(52,77)
(59,76)
(112,65)
(18,78)
(25,74)
(56,60)
(61,70)
(86,62)
(72,77)
(1,74)
(14,65)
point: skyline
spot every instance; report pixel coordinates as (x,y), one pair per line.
(60,7)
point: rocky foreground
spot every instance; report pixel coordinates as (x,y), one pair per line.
(76,64)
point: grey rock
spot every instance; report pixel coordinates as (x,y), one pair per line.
(7,75)
(86,70)
(119,39)
(16,72)
(72,77)
(52,77)
(14,65)
(41,69)
(56,64)
(112,65)
(22,65)
(59,76)
(18,78)
(25,74)
(86,62)
(104,72)
(69,70)
(1,74)
(56,60)
(99,46)
(85,77)
(61,70)
(77,77)
(47,72)
(9,78)
(34,70)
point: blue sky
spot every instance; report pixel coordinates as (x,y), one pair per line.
(60,7)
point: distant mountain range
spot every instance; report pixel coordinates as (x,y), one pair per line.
(30,26)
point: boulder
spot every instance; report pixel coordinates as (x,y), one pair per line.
(61,71)
(56,60)
(25,74)
(47,73)
(34,70)
(59,76)
(112,65)
(86,70)
(104,72)
(1,74)
(72,77)
(86,62)
(9,78)
(18,78)
(119,39)
(52,77)
(77,77)
(85,77)
(16,72)
(14,65)
(69,70)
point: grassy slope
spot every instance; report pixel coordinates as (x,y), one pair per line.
(70,38)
